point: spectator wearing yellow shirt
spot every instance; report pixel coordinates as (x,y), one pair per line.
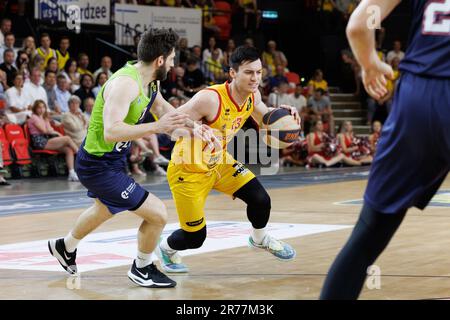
(214,67)
(62,53)
(272,57)
(83,63)
(45,51)
(317,82)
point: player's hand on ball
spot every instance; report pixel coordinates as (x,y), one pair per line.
(293,112)
(374,79)
(171,121)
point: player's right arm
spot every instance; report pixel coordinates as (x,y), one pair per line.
(362,42)
(118,96)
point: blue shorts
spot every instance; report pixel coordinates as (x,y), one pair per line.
(108,181)
(413,153)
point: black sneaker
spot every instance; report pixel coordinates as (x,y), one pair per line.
(66,259)
(150,277)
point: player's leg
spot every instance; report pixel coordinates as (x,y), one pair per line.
(64,249)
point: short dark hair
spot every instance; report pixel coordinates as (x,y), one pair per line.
(156,42)
(320,90)
(47,72)
(45,34)
(243,54)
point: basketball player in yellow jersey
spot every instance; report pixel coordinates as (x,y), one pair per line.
(225,108)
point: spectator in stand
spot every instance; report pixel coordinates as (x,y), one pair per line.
(348,80)
(85,90)
(62,94)
(375,136)
(396,52)
(106,64)
(317,82)
(272,57)
(278,77)
(49,87)
(52,65)
(183,52)
(29,46)
(248,42)
(74,121)
(33,88)
(88,105)
(37,62)
(10,40)
(45,51)
(193,80)
(71,74)
(83,63)
(8,67)
(214,68)
(298,101)
(320,106)
(280,95)
(3,85)
(23,65)
(212,45)
(231,45)
(62,53)
(101,79)
(18,103)
(196,53)
(43,136)
(5,27)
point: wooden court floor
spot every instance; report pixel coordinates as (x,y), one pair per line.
(416,265)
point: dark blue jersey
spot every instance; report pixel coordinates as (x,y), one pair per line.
(428,52)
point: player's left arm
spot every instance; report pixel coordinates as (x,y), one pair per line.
(261,109)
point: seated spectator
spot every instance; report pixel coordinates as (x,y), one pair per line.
(320,106)
(44,51)
(43,136)
(49,87)
(33,88)
(272,57)
(214,68)
(193,80)
(318,82)
(23,65)
(101,79)
(350,147)
(278,77)
(396,52)
(8,67)
(52,65)
(29,46)
(320,151)
(83,63)
(280,96)
(196,53)
(298,100)
(10,40)
(37,62)
(106,64)
(62,53)
(72,75)
(5,27)
(85,90)
(375,136)
(74,122)
(62,95)
(212,45)
(183,52)
(231,46)
(88,105)
(18,102)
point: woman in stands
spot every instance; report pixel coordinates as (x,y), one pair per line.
(43,136)
(317,82)
(353,148)
(317,144)
(101,79)
(71,74)
(373,138)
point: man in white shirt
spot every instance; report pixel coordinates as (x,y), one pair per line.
(33,89)
(280,96)
(18,103)
(396,53)
(106,64)
(298,100)
(62,94)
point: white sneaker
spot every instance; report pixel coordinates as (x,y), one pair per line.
(161,160)
(73,177)
(159,171)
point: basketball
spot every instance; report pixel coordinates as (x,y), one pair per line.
(279,128)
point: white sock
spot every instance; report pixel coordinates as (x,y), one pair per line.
(165,245)
(70,242)
(72,171)
(143,259)
(258,235)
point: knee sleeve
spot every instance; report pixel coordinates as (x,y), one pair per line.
(258,203)
(182,240)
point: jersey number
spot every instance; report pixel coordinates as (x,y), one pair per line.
(435,18)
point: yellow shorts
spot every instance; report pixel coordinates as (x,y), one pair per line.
(190,189)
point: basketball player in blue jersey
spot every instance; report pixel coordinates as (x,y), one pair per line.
(118,117)
(411,162)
